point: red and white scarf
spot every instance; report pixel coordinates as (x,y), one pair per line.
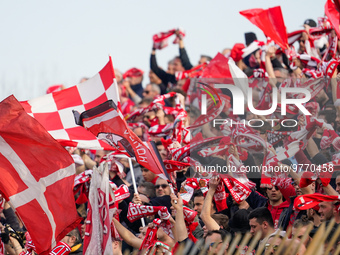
(161,39)
(151,235)
(237,189)
(220,197)
(121,193)
(61,249)
(136,212)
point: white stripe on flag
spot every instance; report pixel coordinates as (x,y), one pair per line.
(35,189)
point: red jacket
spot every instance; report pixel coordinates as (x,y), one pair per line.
(276,211)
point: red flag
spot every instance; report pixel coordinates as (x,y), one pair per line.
(217,68)
(271,22)
(54,110)
(107,123)
(37,176)
(333,15)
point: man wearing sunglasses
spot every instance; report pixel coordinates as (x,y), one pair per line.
(275,203)
(151,91)
(162,188)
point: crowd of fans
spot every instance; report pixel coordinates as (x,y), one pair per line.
(204,211)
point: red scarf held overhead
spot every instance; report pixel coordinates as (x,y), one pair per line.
(161,39)
(237,189)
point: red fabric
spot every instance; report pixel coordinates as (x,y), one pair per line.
(121,193)
(333,15)
(236,52)
(37,177)
(107,122)
(61,249)
(194,72)
(220,197)
(55,88)
(189,215)
(237,189)
(172,165)
(305,202)
(217,68)
(161,39)
(150,235)
(133,72)
(136,212)
(127,106)
(54,110)
(271,22)
(276,211)
(308,177)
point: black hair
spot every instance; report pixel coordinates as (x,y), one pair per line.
(262,214)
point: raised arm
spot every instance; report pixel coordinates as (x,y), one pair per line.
(180,228)
(209,222)
(127,236)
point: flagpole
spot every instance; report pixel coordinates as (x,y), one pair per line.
(134,184)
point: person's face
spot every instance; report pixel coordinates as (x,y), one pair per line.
(298,233)
(69,239)
(326,211)
(255,227)
(297,189)
(202,60)
(212,240)
(198,204)
(162,188)
(142,232)
(148,117)
(148,175)
(141,190)
(275,244)
(98,157)
(171,68)
(274,194)
(148,92)
(162,151)
(320,96)
(178,65)
(337,182)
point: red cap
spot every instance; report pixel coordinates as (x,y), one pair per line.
(236,52)
(133,72)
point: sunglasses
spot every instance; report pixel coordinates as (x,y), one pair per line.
(146,91)
(162,185)
(275,187)
(148,117)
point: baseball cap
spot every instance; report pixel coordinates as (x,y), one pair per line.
(310,23)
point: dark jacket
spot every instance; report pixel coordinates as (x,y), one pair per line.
(164,76)
(288,213)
